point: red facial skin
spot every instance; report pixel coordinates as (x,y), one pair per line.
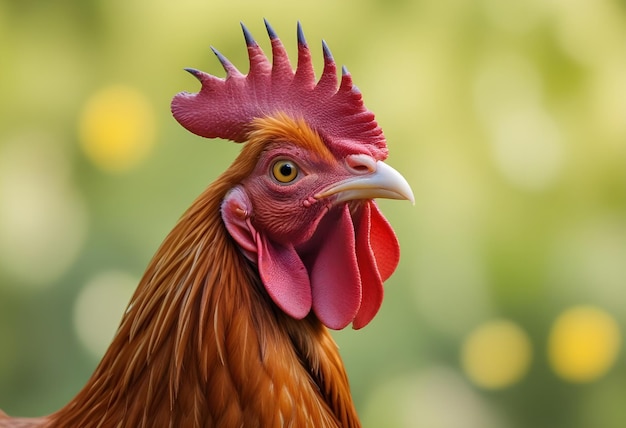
(314,250)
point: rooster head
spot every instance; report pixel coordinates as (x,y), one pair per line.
(302,205)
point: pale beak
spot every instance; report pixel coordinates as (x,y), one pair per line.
(382,182)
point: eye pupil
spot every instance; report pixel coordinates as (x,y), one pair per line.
(286,169)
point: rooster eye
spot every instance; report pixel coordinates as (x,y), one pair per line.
(285,171)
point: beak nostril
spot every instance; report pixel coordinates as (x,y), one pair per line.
(361,164)
(361,168)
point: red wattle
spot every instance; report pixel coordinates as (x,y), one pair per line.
(335,278)
(384,243)
(371,282)
(285,277)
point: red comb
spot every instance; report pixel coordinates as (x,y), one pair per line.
(225,107)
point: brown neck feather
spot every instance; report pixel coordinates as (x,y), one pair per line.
(201,344)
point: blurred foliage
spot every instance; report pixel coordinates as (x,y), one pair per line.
(508,119)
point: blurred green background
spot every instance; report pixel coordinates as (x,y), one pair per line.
(507,118)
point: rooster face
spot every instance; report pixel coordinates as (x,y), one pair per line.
(301,207)
(305,216)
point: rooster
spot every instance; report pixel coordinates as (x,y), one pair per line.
(229,326)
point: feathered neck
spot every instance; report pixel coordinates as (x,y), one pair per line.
(201,344)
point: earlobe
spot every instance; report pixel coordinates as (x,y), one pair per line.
(236,211)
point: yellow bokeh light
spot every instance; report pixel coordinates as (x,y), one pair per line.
(497,354)
(43,220)
(584,343)
(117,128)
